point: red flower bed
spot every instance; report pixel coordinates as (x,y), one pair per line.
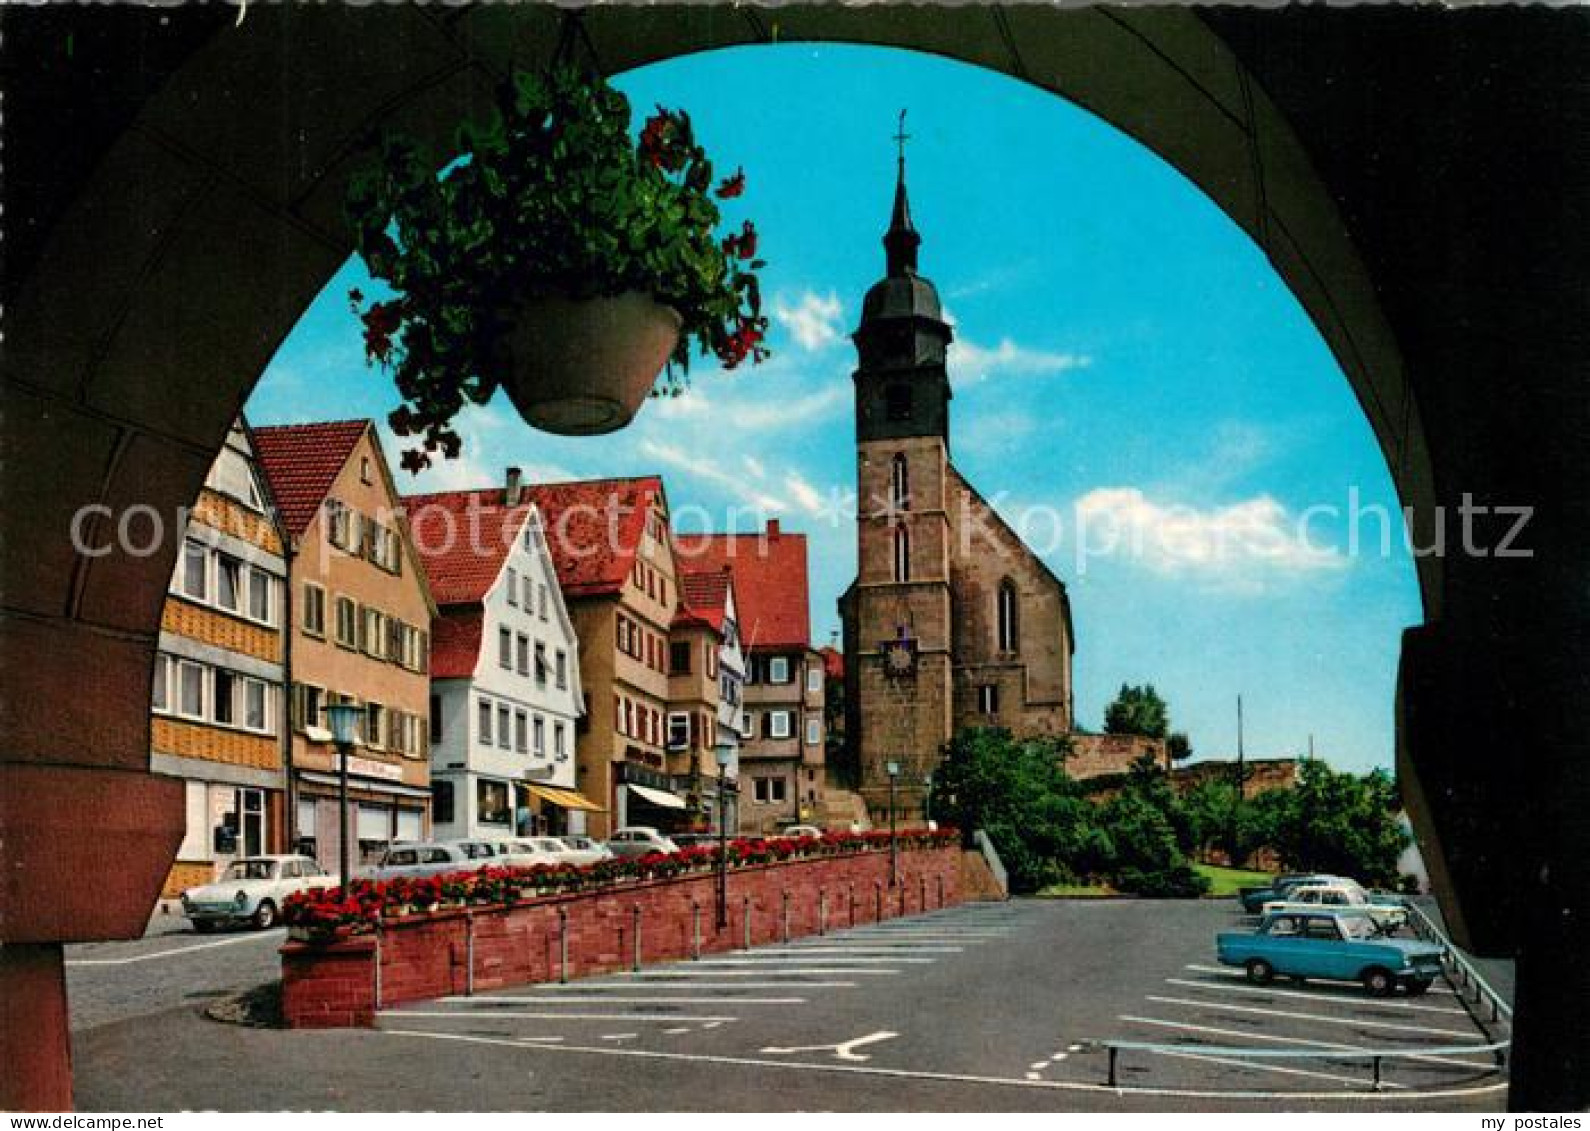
(333,912)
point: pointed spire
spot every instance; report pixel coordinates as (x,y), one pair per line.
(902,240)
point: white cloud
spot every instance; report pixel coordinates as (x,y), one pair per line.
(754,466)
(763,400)
(971,363)
(995,431)
(710,468)
(813,320)
(1242,546)
(807,497)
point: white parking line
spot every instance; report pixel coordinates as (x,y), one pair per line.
(265,936)
(533,1015)
(598,999)
(871,959)
(1228,972)
(1273,1038)
(882,951)
(691,984)
(1414,1096)
(1358,1002)
(1318,1018)
(672,974)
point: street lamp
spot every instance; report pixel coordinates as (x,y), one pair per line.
(344,720)
(724,754)
(893,769)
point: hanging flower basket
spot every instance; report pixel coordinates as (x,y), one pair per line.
(558,258)
(581,367)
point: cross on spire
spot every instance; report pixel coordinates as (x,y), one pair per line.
(901,240)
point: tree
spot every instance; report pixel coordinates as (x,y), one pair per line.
(1341,823)
(1137,710)
(1017,791)
(1177,747)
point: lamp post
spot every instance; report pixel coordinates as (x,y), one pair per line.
(344,719)
(893,769)
(724,754)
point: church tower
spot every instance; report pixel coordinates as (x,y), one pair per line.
(898,614)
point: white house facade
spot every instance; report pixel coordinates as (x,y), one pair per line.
(505,691)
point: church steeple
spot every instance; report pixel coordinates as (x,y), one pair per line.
(901,240)
(902,388)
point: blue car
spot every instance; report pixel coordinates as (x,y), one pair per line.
(1341,946)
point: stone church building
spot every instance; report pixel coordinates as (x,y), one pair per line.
(952,621)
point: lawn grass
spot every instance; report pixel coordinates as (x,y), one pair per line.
(1073,891)
(1227,881)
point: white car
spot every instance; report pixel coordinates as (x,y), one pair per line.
(589,851)
(795,832)
(1340,895)
(528,851)
(562,852)
(422,859)
(252,890)
(638,840)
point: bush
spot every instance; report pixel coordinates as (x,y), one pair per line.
(1179,881)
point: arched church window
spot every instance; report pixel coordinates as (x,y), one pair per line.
(900,484)
(902,554)
(1009,629)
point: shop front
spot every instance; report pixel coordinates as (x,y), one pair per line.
(380,811)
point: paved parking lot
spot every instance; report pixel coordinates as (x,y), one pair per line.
(983,1007)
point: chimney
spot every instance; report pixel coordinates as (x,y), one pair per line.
(773,528)
(514,490)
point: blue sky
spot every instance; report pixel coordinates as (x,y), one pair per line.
(1126,357)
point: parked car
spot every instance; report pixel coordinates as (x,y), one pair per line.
(591,847)
(252,890)
(1334,945)
(555,850)
(421,859)
(637,840)
(1253,899)
(694,840)
(521,852)
(794,832)
(1347,896)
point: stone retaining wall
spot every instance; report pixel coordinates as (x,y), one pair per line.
(470,950)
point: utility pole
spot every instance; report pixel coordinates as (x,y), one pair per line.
(1236,800)
(1241,777)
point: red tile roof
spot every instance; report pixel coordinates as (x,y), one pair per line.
(455,642)
(301,461)
(706,591)
(833,662)
(594,530)
(463,538)
(770,590)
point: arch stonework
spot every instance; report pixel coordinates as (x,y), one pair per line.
(185,252)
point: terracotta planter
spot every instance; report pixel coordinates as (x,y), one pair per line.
(582,367)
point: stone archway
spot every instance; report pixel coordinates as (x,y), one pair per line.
(182,254)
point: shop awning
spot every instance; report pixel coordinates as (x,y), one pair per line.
(565,798)
(659,797)
(372,785)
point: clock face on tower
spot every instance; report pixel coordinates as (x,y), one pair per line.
(899,657)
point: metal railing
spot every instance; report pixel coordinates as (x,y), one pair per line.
(1375,1058)
(1465,980)
(1460,971)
